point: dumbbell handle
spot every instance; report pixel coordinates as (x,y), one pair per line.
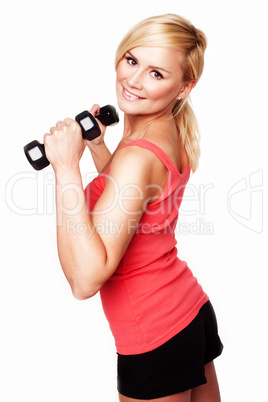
(35,152)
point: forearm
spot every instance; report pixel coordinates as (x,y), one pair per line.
(100,154)
(81,251)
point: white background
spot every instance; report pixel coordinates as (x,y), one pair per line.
(56,61)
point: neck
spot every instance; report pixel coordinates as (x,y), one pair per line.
(135,126)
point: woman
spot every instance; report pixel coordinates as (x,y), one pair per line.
(164,325)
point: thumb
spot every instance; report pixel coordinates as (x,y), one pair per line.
(95,110)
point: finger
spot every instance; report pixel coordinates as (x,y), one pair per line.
(46,136)
(95,110)
(52,130)
(69,122)
(60,124)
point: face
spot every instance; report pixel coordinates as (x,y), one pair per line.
(149,80)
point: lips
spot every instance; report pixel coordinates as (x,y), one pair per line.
(130,96)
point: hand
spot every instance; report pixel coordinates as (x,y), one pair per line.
(64,145)
(100,139)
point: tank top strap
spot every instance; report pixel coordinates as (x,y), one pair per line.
(156,150)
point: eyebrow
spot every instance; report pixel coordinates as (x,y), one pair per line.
(153,67)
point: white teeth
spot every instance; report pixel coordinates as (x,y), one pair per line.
(131,95)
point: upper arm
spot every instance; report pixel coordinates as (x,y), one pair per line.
(120,207)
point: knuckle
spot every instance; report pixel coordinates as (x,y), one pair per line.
(60,124)
(68,121)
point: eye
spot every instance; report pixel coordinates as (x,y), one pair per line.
(131,61)
(157,75)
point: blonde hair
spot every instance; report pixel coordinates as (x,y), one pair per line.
(171,30)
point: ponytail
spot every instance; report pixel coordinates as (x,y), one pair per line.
(187,126)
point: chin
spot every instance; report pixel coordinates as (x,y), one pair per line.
(129,108)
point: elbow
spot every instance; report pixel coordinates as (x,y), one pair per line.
(83,286)
(83,292)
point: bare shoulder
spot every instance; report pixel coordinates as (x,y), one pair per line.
(132,151)
(134,158)
(135,164)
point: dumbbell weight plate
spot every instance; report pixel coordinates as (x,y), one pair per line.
(108,115)
(36,155)
(89,126)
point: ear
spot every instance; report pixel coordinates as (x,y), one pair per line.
(186,89)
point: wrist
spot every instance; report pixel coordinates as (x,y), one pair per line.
(67,174)
(96,147)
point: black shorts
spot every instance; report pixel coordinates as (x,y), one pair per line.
(175,366)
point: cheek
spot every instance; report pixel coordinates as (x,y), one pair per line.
(165,93)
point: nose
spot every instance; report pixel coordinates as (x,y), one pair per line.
(134,80)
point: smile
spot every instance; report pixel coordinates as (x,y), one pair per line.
(129,96)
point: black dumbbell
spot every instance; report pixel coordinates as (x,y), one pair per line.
(35,152)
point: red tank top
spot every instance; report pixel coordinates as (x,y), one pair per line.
(153,294)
